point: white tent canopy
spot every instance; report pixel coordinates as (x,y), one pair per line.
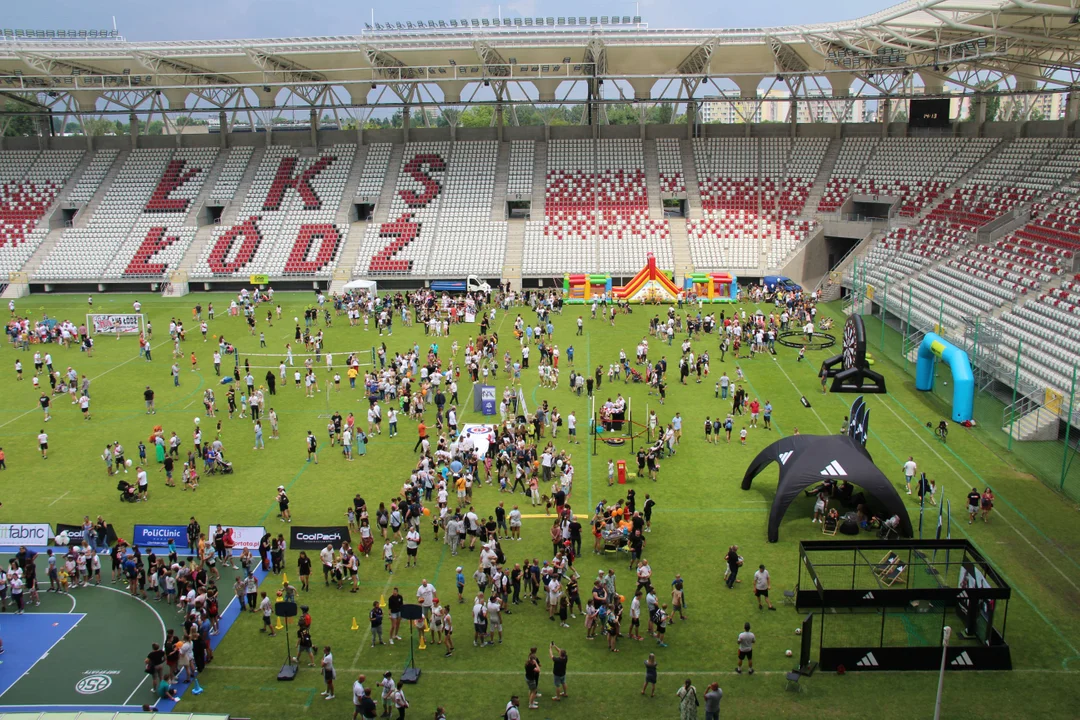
(358,285)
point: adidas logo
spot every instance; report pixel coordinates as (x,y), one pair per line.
(868,661)
(962,660)
(868,596)
(834,469)
(963,594)
(785,456)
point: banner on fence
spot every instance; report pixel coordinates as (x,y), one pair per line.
(123,324)
(75,534)
(15,534)
(316,538)
(244,536)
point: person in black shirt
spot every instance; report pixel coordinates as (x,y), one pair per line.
(515,583)
(500,520)
(194,530)
(394,604)
(532,677)
(558,670)
(155,663)
(641,462)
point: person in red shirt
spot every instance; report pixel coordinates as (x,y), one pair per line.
(421,433)
(755,409)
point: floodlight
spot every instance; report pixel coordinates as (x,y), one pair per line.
(626,19)
(487,82)
(592,20)
(76,71)
(566,60)
(512,61)
(551,21)
(637,19)
(582,21)
(484,22)
(399,26)
(442,23)
(408,24)
(453,23)
(476,23)
(604,19)
(517,21)
(614,19)
(367,26)
(372,86)
(571,21)
(562,21)
(127,71)
(453,61)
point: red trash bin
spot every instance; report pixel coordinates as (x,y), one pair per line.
(620,471)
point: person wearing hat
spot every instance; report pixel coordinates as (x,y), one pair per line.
(283,504)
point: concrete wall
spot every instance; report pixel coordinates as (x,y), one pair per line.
(526,132)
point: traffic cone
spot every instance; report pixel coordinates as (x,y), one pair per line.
(427,627)
(196,688)
(279,626)
(382,601)
(421,646)
(284,578)
(355,626)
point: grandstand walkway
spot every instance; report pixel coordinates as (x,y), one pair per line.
(502,177)
(88,210)
(539,186)
(514,255)
(195,210)
(680,249)
(821,180)
(393,167)
(652,179)
(693,192)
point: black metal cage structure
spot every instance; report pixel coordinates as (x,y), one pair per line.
(883,605)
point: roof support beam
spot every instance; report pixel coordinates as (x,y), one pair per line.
(194,74)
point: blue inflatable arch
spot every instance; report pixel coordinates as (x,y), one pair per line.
(934,348)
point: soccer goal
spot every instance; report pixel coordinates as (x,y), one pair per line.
(118,324)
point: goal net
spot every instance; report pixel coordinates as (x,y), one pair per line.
(118,324)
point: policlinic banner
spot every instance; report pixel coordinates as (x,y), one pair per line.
(159,535)
(316,538)
(15,534)
(244,536)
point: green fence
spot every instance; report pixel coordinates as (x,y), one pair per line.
(1017,416)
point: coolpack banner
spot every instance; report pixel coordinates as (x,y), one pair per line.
(159,535)
(15,534)
(243,536)
(126,324)
(316,538)
(75,534)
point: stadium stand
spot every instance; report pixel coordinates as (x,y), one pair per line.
(141,213)
(374,173)
(519,181)
(669,159)
(285,226)
(232,172)
(596,211)
(29,185)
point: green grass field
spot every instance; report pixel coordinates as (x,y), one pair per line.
(700,510)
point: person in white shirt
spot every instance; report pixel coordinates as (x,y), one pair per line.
(746,647)
(910,469)
(329,673)
(358,693)
(762,585)
(389,689)
(515,523)
(425,595)
(412,546)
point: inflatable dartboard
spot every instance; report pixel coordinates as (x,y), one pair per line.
(849,370)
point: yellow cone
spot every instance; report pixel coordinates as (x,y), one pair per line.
(354,625)
(382,601)
(279,626)
(426,626)
(421,646)
(284,579)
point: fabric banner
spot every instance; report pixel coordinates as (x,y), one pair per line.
(316,538)
(243,536)
(125,324)
(159,535)
(75,534)
(15,534)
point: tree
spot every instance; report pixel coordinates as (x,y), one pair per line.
(154,127)
(184,120)
(993,102)
(479,116)
(21,124)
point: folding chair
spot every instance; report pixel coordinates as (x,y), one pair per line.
(886,563)
(894,575)
(789,597)
(793,682)
(830,525)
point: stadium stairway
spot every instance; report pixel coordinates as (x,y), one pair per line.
(502,176)
(349,251)
(515,250)
(825,171)
(680,249)
(91,207)
(54,217)
(540,164)
(382,208)
(693,194)
(652,179)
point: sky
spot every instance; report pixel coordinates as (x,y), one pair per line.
(243,19)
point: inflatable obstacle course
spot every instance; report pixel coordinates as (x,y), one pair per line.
(717,287)
(650,285)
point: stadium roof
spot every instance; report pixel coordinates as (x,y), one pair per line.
(1032,46)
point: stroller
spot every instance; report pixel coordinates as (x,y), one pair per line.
(635,376)
(128,492)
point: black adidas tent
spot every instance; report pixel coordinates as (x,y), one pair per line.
(808,459)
